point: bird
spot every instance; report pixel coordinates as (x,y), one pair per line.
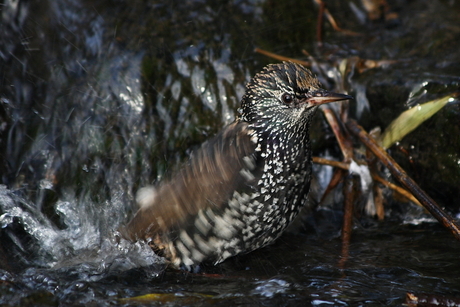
(241,189)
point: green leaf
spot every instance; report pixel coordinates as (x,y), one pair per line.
(411,119)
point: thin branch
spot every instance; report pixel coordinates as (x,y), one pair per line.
(319,24)
(394,187)
(344,142)
(342,165)
(397,189)
(280,57)
(323,10)
(427,202)
(347,226)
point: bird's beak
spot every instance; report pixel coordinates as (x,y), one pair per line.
(321,97)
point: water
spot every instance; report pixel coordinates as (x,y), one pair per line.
(101,98)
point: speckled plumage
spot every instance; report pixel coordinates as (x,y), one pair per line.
(242,188)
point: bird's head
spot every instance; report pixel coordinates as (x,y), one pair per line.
(282,95)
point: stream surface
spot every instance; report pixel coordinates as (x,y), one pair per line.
(100,98)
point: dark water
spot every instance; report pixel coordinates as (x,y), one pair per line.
(99,98)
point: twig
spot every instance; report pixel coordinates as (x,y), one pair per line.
(280,57)
(344,142)
(378,201)
(400,190)
(336,26)
(337,177)
(346,166)
(342,165)
(405,180)
(319,24)
(330,18)
(347,226)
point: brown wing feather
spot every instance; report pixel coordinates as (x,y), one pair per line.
(208,179)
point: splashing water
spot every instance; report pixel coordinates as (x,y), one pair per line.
(101,98)
(80,241)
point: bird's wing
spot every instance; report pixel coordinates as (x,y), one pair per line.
(222,165)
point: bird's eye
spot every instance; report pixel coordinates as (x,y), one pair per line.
(287,98)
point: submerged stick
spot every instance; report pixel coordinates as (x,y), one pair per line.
(347,227)
(436,211)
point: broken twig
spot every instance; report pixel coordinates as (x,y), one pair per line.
(436,211)
(281,57)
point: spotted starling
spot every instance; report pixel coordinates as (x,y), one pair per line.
(242,188)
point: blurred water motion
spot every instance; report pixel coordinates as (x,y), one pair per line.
(101,98)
